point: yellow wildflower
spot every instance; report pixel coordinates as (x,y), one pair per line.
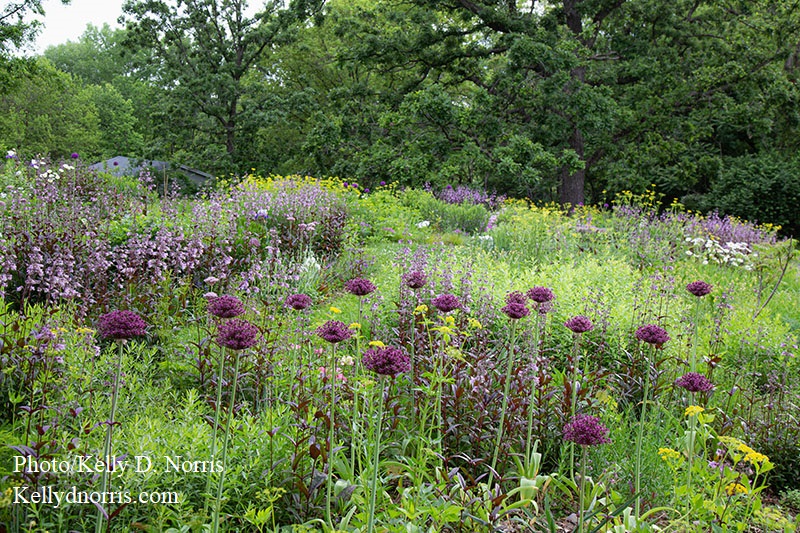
(744,448)
(355,325)
(377,344)
(731,442)
(755,457)
(421,309)
(693,410)
(668,453)
(335,310)
(735,488)
(474,323)
(84,331)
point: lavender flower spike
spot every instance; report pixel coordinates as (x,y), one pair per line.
(586,430)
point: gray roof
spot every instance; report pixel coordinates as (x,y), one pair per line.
(129,166)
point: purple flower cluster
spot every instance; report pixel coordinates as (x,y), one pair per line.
(237,334)
(121,325)
(226,306)
(387,361)
(299,301)
(694,382)
(334,331)
(586,430)
(415,280)
(462,194)
(652,334)
(579,324)
(699,288)
(360,286)
(540,294)
(515,307)
(446,303)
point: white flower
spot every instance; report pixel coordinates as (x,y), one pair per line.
(11,154)
(424,224)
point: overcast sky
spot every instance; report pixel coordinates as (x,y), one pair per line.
(67,23)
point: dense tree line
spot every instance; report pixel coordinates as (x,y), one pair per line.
(567,100)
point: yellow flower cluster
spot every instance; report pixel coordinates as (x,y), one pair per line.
(755,457)
(84,331)
(421,309)
(693,410)
(669,453)
(377,344)
(735,488)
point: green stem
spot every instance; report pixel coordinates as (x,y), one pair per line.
(639,436)
(107,450)
(509,368)
(331,374)
(693,359)
(216,422)
(573,399)
(375,460)
(529,435)
(582,489)
(218,503)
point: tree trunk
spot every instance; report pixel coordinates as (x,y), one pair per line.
(570,189)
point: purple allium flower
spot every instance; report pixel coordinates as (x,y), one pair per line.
(226,306)
(699,288)
(387,361)
(116,163)
(515,310)
(694,382)
(579,324)
(237,334)
(383,183)
(121,325)
(334,331)
(415,279)
(446,303)
(75,155)
(359,286)
(540,294)
(516,297)
(586,430)
(652,334)
(298,302)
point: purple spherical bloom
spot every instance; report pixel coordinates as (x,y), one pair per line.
(515,311)
(699,288)
(359,286)
(652,334)
(334,331)
(516,297)
(694,382)
(586,430)
(540,294)
(366,191)
(121,325)
(446,303)
(383,183)
(415,280)
(298,302)
(387,361)
(75,155)
(579,324)
(237,334)
(226,306)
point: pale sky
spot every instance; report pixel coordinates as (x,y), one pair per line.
(67,23)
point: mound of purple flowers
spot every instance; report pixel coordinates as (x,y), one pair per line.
(515,307)
(446,303)
(237,334)
(121,325)
(226,306)
(359,286)
(540,294)
(415,280)
(579,324)
(298,301)
(387,361)
(334,331)
(586,430)
(652,334)
(694,382)
(699,288)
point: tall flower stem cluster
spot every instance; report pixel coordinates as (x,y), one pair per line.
(585,431)
(237,335)
(698,289)
(578,325)
(656,337)
(541,298)
(693,383)
(118,326)
(333,332)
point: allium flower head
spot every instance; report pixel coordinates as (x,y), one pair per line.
(699,288)
(387,361)
(579,324)
(652,334)
(237,334)
(516,297)
(298,301)
(226,306)
(541,294)
(694,382)
(586,430)
(415,280)
(359,286)
(121,325)
(446,303)
(75,155)
(334,331)
(515,311)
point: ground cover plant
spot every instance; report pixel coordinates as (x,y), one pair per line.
(296,354)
